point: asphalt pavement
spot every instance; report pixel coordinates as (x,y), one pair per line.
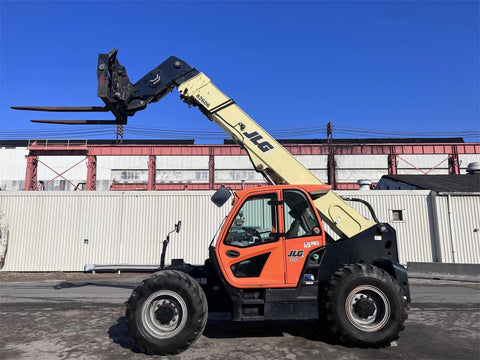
(84,319)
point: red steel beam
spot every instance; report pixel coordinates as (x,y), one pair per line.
(392,164)
(211,170)
(181,186)
(228,150)
(92,173)
(31,173)
(205,186)
(453,164)
(152,170)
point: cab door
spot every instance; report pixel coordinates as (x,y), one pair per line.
(251,251)
(303,233)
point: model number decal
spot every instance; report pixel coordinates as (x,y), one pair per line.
(202,100)
(256,138)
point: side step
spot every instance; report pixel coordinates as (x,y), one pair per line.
(253,305)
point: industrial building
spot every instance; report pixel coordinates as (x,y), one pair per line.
(182,165)
(59,229)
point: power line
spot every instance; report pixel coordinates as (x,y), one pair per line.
(202,134)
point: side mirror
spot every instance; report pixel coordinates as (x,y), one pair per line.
(221,196)
(178,226)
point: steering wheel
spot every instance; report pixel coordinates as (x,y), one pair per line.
(253,233)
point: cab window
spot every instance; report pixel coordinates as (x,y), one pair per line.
(256,222)
(299,217)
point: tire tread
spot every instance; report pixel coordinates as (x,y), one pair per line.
(145,288)
(349,273)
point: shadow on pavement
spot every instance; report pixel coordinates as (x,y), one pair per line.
(68,285)
(309,329)
(119,335)
(226,329)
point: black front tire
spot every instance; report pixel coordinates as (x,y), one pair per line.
(166,313)
(365,306)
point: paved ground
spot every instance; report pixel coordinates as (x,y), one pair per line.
(82,317)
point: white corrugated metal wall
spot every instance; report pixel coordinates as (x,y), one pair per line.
(59,231)
(458,218)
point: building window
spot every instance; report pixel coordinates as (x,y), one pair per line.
(397,215)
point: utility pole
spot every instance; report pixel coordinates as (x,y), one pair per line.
(331,157)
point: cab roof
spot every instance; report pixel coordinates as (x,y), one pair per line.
(269,188)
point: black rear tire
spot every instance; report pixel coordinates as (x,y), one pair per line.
(166,313)
(365,306)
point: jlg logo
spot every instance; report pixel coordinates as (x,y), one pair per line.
(295,253)
(255,138)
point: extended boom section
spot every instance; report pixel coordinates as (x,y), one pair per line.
(266,154)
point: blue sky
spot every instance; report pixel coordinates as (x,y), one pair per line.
(373,68)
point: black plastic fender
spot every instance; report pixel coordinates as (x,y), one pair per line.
(398,272)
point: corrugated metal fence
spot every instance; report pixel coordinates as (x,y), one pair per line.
(458,228)
(59,231)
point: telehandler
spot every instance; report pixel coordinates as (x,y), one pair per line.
(272,259)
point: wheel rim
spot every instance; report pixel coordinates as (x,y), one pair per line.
(164,314)
(367,308)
